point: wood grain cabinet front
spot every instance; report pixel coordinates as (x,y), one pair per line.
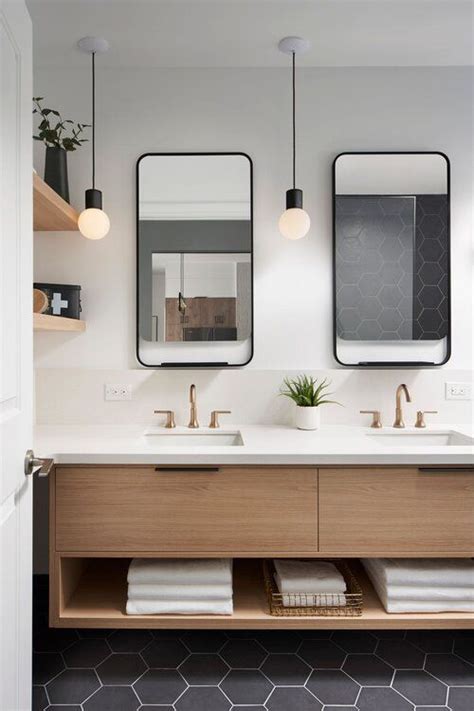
(234,510)
(396,511)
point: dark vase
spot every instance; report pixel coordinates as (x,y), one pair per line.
(55,171)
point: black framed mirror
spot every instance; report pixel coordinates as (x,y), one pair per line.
(391,261)
(194,260)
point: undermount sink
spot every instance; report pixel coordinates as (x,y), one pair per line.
(195,439)
(447,438)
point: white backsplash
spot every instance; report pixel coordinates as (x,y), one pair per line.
(76,395)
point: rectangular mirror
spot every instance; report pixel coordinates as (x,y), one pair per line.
(391,259)
(195,290)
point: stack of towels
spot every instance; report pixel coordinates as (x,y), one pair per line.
(309,583)
(423,584)
(180,586)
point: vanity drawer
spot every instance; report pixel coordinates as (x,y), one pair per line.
(384,511)
(210,510)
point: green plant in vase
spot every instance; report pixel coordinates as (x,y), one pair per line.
(60,137)
(308,394)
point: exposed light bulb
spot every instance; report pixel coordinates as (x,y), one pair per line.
(93,223)
(294,223)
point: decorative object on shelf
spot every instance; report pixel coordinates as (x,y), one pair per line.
(93,222)
(52,132)
(294,222)
(40,301)
(62,299)
(308,396)
(304,604)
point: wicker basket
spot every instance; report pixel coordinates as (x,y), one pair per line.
(324,606)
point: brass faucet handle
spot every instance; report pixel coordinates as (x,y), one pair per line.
(170,423)
(376,418)
(420,417)
(214,423)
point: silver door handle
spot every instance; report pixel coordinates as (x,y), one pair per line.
(34,464)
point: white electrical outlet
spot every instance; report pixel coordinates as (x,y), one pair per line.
(117,391)
(458,391)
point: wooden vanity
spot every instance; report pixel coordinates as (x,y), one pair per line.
(103,515)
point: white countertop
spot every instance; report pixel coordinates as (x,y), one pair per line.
(100,444)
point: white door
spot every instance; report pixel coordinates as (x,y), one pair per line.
(16,361)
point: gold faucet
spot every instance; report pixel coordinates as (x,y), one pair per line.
(398,410)
(193,421)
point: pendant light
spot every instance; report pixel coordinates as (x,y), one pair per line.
(93,222)
(294,222)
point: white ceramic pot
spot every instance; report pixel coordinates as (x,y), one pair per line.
(307,418)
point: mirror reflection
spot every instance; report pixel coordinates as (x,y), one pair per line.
(391,249)
(194,259)
(200,297)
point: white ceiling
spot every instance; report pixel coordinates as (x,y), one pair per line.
(244,33)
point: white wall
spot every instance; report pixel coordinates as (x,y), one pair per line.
(246,110)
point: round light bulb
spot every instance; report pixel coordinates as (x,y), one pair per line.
(93,223)
(294,223)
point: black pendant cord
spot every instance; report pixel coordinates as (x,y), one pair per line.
(93,120)
(294,120)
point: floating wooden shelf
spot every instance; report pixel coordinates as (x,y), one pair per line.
(50,212)
(44,322)
(94,594)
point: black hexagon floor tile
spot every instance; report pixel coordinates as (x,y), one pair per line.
(112,698)
(165,654)
(72,686)
(355,641)
(373,699)
(450,669)
(285,670)
(203,698)
(461,699)
(465,648)
(243,653)
(121,669)
(246,686)
(431,640)
(284,699)
(322,654)
(419,687)
(129,640)
(52,640)
(86,653)
(160,686)
(401,654)
(368,670)
(63,707)
(333,686)
(204,669)
(39,700)
(204,641)
(46,666)
(279,640)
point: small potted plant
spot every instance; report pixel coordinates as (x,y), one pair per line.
(59,136)
(308,396)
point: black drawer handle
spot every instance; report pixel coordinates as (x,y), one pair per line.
(186,469)
(434,470)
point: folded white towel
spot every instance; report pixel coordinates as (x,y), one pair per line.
(418,604)
(180,607)
(432,572)
(313,576)
(149,591)
(181,571)
(427,606)
(423,592)
(308,600)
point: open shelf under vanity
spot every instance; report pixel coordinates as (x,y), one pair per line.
(93,593)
